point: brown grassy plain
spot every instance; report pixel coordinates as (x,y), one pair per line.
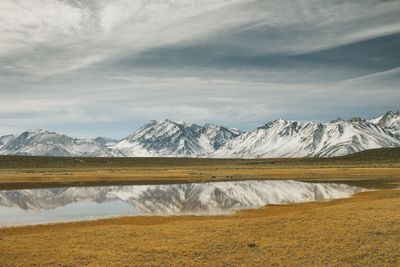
(360,231)
(368,177)
(366,168)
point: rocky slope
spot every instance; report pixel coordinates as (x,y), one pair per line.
(390,121)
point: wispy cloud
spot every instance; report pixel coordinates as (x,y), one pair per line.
(373,77)
(235,62)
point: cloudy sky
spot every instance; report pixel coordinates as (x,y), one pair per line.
(105,67)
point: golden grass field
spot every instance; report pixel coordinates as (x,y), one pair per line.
(360,231)
(364,168)
(369,177)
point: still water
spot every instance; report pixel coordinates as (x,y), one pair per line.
(49,205)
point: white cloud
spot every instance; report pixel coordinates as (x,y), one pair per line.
(61,60)
(53,36)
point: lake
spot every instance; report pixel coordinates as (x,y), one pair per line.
(50,205)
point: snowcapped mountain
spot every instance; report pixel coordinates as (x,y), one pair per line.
(390,121)
(105,141)
(167,138)
(171,139)
(283,138)
(44,143)
(5,139)
(217,136)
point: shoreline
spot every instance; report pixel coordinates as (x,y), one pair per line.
(228,212)
(361,229)
(183,216)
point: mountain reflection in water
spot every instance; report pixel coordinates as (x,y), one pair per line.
(33,206)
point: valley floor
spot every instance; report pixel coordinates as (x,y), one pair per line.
(360,231)
(370,177)
(373,168)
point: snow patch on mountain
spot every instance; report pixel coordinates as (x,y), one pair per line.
(37,142)
(390,121)
(280,138)
(105,141)
(171,139)
(283,138)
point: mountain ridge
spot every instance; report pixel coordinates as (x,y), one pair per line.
(282,138)
(166,138)
(389,121)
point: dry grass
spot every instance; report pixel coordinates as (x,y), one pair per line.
(75,177)
(31,172)
(360,231)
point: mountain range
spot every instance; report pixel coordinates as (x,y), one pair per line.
(280,138)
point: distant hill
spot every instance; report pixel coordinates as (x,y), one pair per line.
(388,156)
(392,153)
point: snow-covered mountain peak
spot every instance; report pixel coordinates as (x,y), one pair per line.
(376,120)
(284,127)
(275,123)
(279,121)
(392,113)
(166,138)
(217,136)
(169,138)
(338,120)
(182,123)
(236,131)
(5,139)
(39,142)
(161,138)
(36,130)
(356,119)
(168,122)
(283,138)
(211,128)
(105,141)
(154,127)
(37,135)
(390,121)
